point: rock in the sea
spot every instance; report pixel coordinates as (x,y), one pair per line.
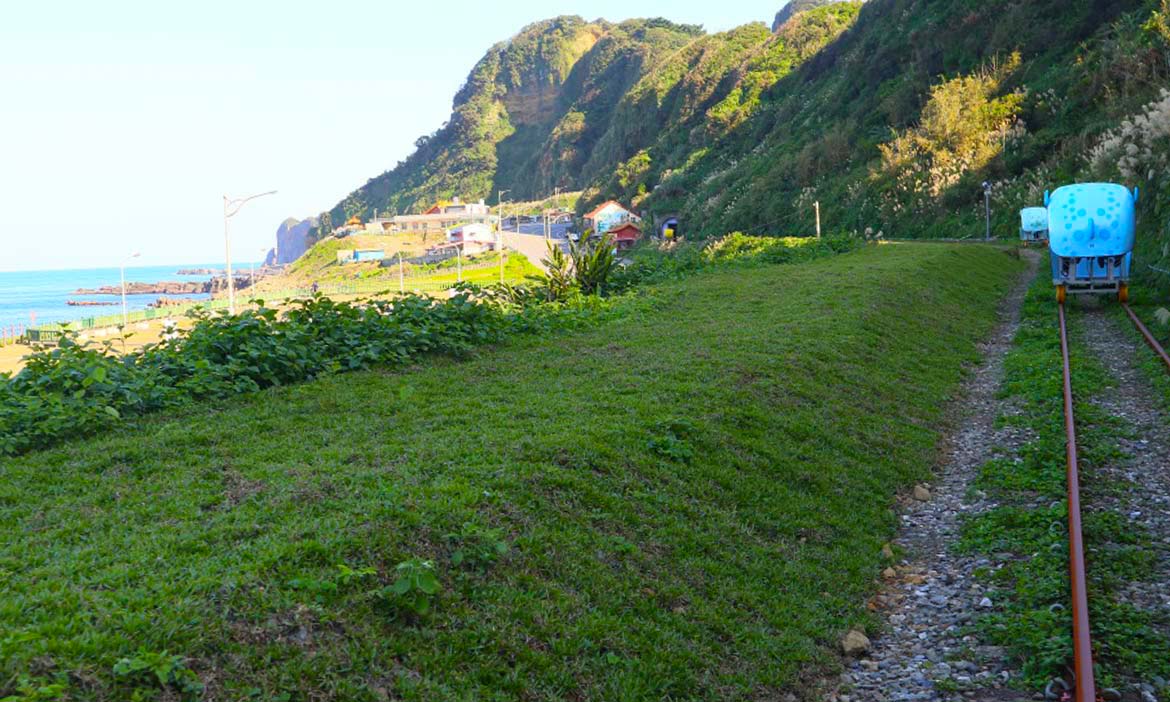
(855,643)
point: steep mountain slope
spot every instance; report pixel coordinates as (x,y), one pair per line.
(894,124)
(794,6)
(565,103)
(691,103)
(528,116)
(890,114)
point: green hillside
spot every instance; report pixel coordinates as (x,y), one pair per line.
(687,501)
(528,116)
(895,124)
(565,102)
(890,114)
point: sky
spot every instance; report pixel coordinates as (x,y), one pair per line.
(123,123)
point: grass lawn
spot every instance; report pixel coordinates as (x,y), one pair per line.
(692,497)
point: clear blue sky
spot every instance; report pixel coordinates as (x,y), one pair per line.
(123,123)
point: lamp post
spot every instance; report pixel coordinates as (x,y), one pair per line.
(122,270)
(987,208)
(230,208)
(263,252)
(500,228)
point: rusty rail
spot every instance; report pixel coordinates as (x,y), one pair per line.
(1147,335)
(1085,689)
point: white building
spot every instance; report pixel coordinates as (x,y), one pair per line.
(476,232)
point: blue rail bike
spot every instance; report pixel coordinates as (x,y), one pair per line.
(1090,238)
(1033,224)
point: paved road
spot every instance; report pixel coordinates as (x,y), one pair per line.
(559,231)
(534,246)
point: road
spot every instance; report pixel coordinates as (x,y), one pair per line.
(534,246)
(559,231)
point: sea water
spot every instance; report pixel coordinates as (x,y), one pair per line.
(38,297)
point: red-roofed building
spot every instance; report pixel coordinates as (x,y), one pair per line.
(625,235)
(608,215)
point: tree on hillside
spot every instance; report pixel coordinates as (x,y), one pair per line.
(964,126)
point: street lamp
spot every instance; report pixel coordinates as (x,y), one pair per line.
(122,270)
(500,228)
(230,208)
(264,253)
(987,207)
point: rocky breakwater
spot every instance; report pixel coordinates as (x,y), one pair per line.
(213,286)
(164,302)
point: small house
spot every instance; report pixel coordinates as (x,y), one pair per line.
(608,215)
(625,235)
(345,256)
(476,232)
(360,255)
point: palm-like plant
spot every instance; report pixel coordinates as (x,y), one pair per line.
(593,261)
(559,280)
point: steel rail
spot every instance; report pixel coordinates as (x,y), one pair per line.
(1085,688)
(1153,343)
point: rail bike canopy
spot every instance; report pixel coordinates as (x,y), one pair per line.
(1034,224)
(1091,219)
(1090,238)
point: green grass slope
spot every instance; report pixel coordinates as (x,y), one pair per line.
(692,497)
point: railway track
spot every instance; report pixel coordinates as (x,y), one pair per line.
(1082,687)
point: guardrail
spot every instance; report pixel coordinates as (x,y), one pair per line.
(12,334)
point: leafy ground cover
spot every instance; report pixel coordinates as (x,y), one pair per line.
(1029,522)
(686,502)
(77,389)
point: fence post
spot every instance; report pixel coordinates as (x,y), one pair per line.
(401,276)
(459,263)
(817,207)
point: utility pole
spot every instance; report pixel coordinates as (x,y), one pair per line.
(263,252)
(987,208)
(817,207)
(500,230)
(125,314)
(459,263)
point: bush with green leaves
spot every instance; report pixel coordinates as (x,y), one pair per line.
(37,691)
(559,281)
(76,389)
(416,585)
(477,547)
(148,671)
(593,261)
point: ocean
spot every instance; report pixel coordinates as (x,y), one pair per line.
(38,297)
